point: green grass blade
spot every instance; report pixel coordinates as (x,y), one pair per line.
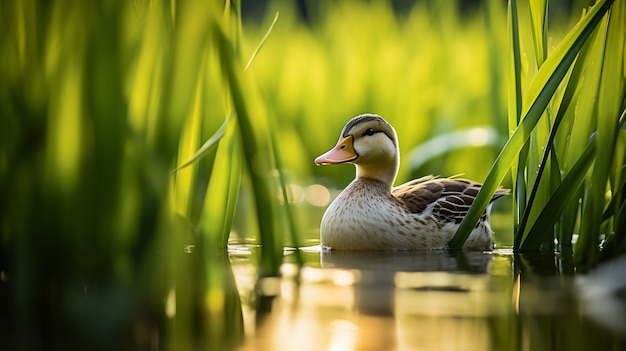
(530,155)
(568,96)
(515,110)
(282,179)
(615,243)
(539,20)
(609,105)
(257,155)
(619,178)
(222,190)
(262,42)
(564,194)
(185,182)
(515,71)
(207,146)
(540,93)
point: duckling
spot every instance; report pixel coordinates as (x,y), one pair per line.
(371,214)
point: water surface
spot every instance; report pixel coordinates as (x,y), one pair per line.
(433,300)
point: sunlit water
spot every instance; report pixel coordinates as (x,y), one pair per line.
(432,300)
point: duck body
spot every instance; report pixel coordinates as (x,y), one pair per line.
(369,214)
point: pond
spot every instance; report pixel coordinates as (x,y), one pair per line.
(432,300)
(337,300)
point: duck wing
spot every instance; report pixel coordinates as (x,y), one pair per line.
(447,199)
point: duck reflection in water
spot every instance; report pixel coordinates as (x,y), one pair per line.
(381,273)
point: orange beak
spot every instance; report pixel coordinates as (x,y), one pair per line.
(342,152)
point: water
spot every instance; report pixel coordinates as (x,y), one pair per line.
(427,300)
(433,301)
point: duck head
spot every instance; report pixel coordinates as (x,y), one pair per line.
(371,144)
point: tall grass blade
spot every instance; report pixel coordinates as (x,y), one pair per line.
(223,190)
(282,179)
(183,65)
(515,111)
(262,42)
(536,144)
(540,92)
(257,154)
(573,83)
(207,146)
(289,214)
(615,244)
(539,21)
(610,102)
(185,182)
(564,194)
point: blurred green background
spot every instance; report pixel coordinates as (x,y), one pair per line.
(430,69)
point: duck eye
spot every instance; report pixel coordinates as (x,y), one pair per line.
(369,132)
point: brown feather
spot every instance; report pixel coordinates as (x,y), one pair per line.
(450,198)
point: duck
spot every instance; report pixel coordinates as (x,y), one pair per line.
(372,214)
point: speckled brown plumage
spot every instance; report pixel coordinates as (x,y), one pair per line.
(451,197)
